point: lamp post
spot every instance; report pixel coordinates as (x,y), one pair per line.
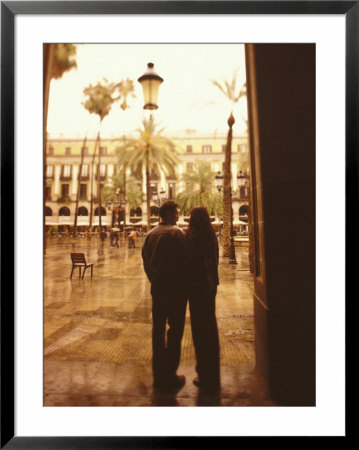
(114,206)
(241,184)
(232,252)
(158,199)
(150,82)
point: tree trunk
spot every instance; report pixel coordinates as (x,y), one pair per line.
(78,186)
(99,184)
(251,237)
(92,177)
(125,203)
(48,53)
(148,194)
(227,192)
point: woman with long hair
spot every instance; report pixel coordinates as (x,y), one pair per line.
(202,254)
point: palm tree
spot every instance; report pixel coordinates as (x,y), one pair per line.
(99,101)
(78,184)
(149,150)
(233,94)
(199,190)
(58,59)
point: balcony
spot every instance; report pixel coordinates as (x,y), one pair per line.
(240,198)
(64,199)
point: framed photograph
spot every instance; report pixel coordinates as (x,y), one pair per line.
(77,313)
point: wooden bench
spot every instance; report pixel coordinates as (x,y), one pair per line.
(79,260)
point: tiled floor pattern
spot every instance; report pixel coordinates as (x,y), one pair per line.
(97,332)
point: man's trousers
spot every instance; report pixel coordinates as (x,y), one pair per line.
(168,307)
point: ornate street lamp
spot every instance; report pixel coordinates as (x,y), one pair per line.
(113,205)
(155,197)
(116,206)
(241,183)
(150,82)
(162,195)
(219,181)
(232,252)
(158,199)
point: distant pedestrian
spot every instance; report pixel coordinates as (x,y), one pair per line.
(131,239)
(103,236)
(163,256)
(112,238)
(117,239)
(202,265)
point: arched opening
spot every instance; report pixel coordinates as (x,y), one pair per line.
(243,212)
(48,211)
(82,211)
(103,211)
(64,211)
(155,211)
(136,212)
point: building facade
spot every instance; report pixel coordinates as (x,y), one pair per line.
(63,181)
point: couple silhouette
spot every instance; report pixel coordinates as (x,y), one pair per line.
(183,267)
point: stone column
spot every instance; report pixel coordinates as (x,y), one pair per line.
(75,171)
(110,170)
(180,172)
(57,181)
(144,204)
(163,183)
(234,175)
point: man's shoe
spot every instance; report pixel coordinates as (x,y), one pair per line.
(210,389)
(177,382)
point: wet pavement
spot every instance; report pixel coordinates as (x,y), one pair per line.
(97,332)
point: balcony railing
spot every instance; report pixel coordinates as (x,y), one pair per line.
(239,197)
(64,199)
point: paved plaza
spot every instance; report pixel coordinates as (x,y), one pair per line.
(97,331)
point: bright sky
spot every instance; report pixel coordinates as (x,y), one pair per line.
(187,97)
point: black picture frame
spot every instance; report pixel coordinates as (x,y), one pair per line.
(9,10)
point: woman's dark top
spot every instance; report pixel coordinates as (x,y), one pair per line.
(202,262)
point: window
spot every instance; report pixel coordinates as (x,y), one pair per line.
(154,172)
(189,149)
(189,166)
(49,171)
(48,194)
(66,171)
(171,190)
(206,148)
(67,151)
(85,170)
(153,189)
(103,150)
(83,191)
(65,189)
(50,151)
(242,148)
(102,169)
